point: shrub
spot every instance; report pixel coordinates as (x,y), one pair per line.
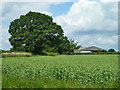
(3,51)
(51,54)
(44,53)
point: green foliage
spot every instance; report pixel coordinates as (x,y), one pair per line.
(77,47)
(36,33)
(51,54)
(111,50)
(44,52)
(4,51)
(46,71)
(99,50)
(73,45)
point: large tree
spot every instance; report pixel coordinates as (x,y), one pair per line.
(111,50)
(36,32)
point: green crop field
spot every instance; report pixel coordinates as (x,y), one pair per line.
(63,71)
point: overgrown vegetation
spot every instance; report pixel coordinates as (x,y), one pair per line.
(61,71)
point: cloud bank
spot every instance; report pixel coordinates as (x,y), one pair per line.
(92,23)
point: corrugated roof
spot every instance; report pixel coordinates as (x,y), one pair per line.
(92,48)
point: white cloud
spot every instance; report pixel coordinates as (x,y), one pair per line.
(0,38)
(7,41)
(109,0)
(11,11)
(91,16)
(5,44)
(47,13)
(75,41)
(105,42)
(39,0)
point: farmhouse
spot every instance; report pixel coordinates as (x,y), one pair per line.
(88,49)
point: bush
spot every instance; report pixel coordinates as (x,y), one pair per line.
(44,53)
(3,51)
(51,54)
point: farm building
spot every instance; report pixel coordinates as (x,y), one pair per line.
(88,49)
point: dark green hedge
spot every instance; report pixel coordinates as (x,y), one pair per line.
(49,53)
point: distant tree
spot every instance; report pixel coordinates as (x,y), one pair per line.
(100,51)
(36,32)
(111,50)
(77,47)
(1,51)
(73,45)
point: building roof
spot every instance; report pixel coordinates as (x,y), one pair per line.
(92,48)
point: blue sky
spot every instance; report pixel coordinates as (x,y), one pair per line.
(90,22)
(60,9)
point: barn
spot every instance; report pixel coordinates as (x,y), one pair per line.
(89,49)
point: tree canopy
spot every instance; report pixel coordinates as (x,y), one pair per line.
(111,50)
(73,45)
(36,32)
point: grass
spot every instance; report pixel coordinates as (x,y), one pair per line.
(63,71)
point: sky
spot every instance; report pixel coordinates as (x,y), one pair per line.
(89,22)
